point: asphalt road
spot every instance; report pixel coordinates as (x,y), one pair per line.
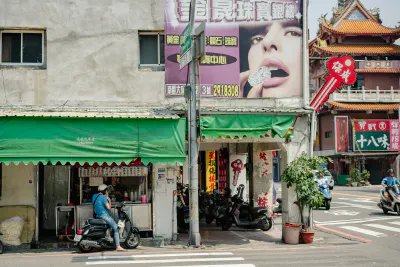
(354,213)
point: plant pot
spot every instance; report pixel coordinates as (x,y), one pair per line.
(291,233)
(354,184)
(307,237)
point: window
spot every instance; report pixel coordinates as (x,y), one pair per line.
(359,82)
(22,48)
(151,47)
(328,134)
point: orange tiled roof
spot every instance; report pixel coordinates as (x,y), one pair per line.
(377,107)
(360,49)
(378,70)
(364,27)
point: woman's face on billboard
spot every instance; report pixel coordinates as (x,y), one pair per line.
(277,46)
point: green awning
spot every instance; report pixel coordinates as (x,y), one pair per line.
(44,139)
(245,125)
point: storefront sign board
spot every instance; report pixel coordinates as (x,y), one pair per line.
(211,171)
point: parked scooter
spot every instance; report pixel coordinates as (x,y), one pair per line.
(96,233)
(1,245)
(394,194)
(245,216)
(325,190)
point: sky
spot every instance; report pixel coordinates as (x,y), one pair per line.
(389,12)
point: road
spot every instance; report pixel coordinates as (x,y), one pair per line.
(354,213)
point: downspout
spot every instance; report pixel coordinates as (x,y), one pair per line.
(306,91)
(312,132)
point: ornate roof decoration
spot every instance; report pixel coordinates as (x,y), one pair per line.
(360,49)
(364,27)
(363,107)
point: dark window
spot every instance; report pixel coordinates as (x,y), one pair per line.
(328,134)
(151,49)
(22,47)
(359,82)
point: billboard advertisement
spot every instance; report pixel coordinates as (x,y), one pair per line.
(253,48)
(376,135)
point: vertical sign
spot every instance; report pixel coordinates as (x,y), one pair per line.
(341,134)
(394,135)
(222,175)
(211,171)
(237,174)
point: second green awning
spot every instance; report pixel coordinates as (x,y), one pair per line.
(245,125)
(49,139)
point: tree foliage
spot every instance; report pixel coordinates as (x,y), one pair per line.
(299,174)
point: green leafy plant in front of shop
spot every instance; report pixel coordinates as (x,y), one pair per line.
(299,174)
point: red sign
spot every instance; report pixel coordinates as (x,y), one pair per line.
(342,134)
(339,70)
(372,125)
(377,135)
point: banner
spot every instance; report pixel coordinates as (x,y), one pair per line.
(376,135)
(237,174)
(341,134)
(211,171)
(253,48)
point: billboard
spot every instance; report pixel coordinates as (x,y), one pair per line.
(376,135)
(253,48)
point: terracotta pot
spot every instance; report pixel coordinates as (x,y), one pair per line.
(307,237)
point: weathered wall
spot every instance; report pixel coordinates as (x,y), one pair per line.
(92,56)
(18,185)
(383,80)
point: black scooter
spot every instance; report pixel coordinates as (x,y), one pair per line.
(1,246)
(245,216)
(96,233)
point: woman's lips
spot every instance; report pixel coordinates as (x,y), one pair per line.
(275,63)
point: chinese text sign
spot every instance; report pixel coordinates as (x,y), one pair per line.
(342,134)
(253,48)
(211,171)
(376,135)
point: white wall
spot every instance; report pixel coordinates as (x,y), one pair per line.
(18,185)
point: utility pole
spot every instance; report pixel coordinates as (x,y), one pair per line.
(195,237)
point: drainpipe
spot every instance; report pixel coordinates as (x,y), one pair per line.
(174,218)
(312,132)
(306,92)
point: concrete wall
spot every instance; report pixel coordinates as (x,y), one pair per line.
(18,185)
(93,56)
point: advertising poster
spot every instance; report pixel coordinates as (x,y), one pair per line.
(376,135)
(211,171)
(237,174)
(253,48)
(342,134)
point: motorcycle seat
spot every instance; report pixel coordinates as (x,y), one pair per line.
(258,210)
(97,222)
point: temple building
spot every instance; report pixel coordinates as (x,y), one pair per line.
(359,124)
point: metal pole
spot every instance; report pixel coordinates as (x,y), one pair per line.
(306,90)
(195,238)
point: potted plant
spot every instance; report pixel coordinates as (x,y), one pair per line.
(365,175)
(299,174)
(355,176)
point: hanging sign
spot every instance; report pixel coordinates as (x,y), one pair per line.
(340,70)
(341,134)
(376,135)
(211,171)
(109,172)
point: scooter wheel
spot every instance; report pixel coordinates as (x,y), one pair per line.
(132,241)
(398,209)
(386,211)
(84,249)
(328,205)
(226,225)
(266,224)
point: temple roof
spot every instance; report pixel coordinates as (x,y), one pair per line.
(360,49)
(377,70)
(362,27)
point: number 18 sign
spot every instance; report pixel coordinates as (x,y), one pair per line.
(339,70)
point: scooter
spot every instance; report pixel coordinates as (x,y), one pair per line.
(245,216)
(96,233)
(1,246)
(394,194)
(325,189)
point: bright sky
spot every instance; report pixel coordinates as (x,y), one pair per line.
(389,12)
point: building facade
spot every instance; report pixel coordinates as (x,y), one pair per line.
(373,100)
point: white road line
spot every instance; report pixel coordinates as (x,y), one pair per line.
(384,227)
(339,222)
(163,261)
(224,265)
(161,255)
(363,231)
(239,235)
(352,205)
(396,223)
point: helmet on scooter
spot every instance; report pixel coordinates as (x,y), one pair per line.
(390,171)
(102,188)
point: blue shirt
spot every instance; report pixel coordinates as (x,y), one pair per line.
(390,182)
(100,205)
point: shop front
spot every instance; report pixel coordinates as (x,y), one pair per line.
(54,166)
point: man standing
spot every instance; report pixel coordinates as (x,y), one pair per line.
(102,205)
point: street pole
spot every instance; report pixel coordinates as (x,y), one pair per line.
(195,238)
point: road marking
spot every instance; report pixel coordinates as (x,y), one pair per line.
(353,195)
(342,212)
(352,205)
(354,221)
(160,255)
(230,265)
(239,235)
(363,231)
(361,200)
(163,261)
(344,234)
(384,227)
(397,223)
